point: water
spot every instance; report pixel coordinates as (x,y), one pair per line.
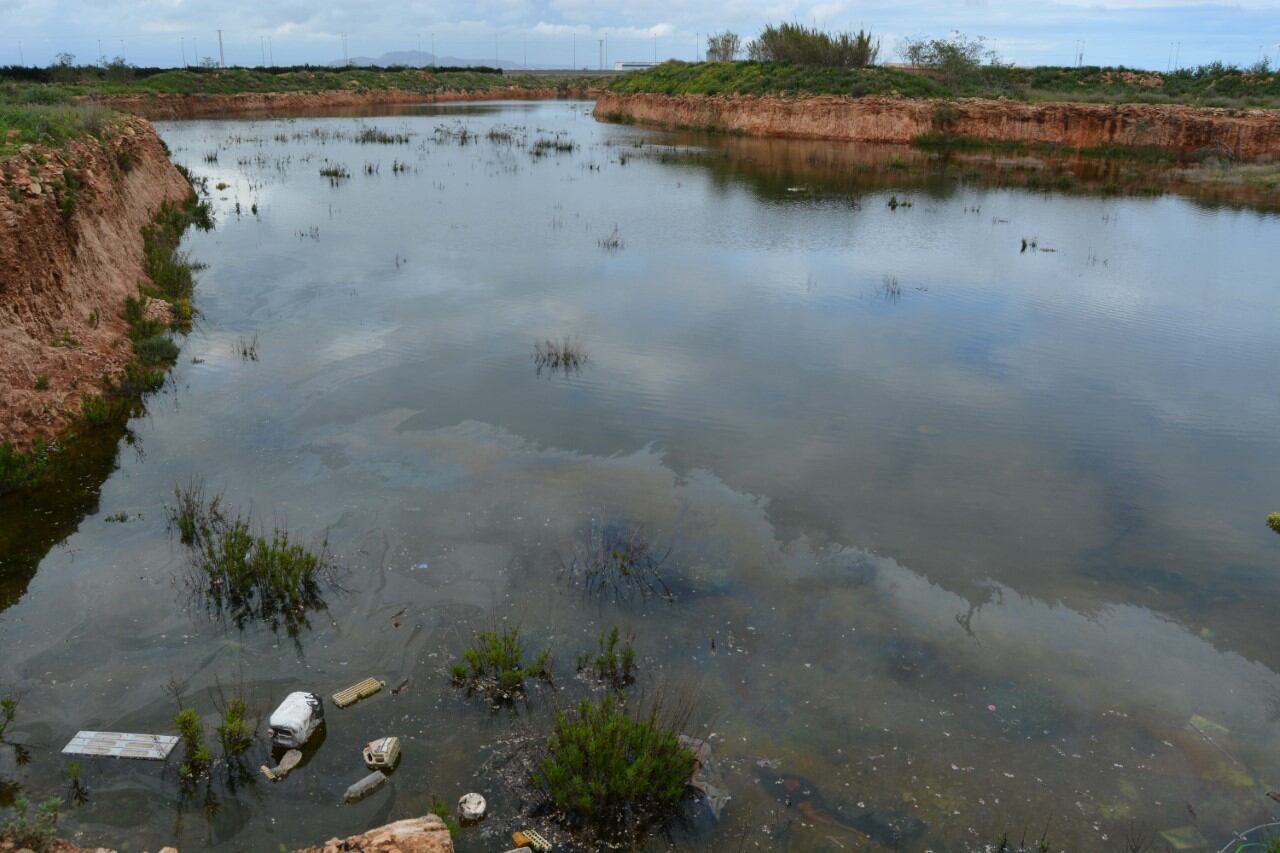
(969,538)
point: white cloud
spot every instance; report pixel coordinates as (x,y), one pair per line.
(1132,32)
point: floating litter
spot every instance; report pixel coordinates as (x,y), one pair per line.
(356,692)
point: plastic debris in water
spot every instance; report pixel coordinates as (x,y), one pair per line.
(356,692)
(382,753)
(471,807)
(365,786)
(297,718)
(288,761)
(121,745)
(530,838)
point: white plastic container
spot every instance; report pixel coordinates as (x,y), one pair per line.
(382,754)
(296,720)
(471,807)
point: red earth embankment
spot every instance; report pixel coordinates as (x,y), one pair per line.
(1244,134)
(70,252)
(173,106)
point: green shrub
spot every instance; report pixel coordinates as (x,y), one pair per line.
(801,45)
(612,772)
(234,735)
(172,273)
(42,382)
(65,340)
(495,665)
(156,349)
(957,57)
(1273,521)
(96,410)
(67,198)
(36,833)
(440,809)
(196,756)
(615,662)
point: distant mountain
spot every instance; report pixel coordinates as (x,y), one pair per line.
(419,58)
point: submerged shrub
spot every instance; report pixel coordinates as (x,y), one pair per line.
(565,355)
(377,136)
(1273,521)
(615,662)
(18,469)
(196,756)
(141,379)
(243,574)
(234,734)
(610,772)
(616,558)
(495,666)
(8,710)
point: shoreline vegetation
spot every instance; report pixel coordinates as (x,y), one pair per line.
(68,80)
(1214,85)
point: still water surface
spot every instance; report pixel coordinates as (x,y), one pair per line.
(970,538)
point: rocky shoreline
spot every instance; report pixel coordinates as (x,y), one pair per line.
(426,834)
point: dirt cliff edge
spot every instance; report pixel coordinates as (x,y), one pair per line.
(70,252)
(1244,134)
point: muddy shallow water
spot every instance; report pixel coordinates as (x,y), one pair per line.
(968,537)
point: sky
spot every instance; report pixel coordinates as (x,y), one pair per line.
(1137,33)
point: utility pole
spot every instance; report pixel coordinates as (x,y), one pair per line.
(262,43)
(655,47)
(102,59)
(183,42)
(21,60)
(600,42)
(1177,55)
(575,51)
(222,57)
(697,47)
(271,54)
(526,53)
(122,48)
